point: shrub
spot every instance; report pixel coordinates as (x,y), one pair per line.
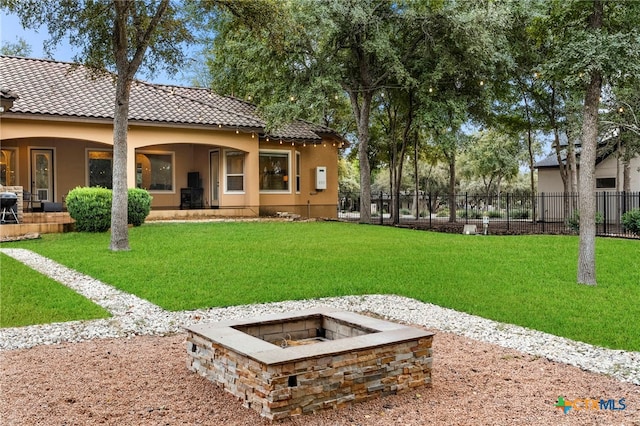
(405,211)
(443,213)
(631,221)
(495,214)
(90,208)
(473,214)
(573,222)
(520,214)
(139,205)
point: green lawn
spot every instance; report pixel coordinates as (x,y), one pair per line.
(28,297)
(525,280)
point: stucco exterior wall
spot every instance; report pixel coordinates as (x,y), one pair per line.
(190,148)
(549,179)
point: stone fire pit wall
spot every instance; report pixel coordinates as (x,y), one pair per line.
(359,358)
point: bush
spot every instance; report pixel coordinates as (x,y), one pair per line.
(90,208)
(631,221)
(495,214)
(139,205)
(520,214)
(473,214)
(443,213)
(405,211)
(573,222)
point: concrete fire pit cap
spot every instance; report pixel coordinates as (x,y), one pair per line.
(380,333)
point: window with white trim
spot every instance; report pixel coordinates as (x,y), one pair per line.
(154,171)
(8,162)
(234,171)
(100,165)
(606,183)
(274,171)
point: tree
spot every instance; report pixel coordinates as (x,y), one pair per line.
(492,157)
(19,48)
(118,35)
(599,44)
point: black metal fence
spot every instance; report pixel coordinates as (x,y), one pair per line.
(543,213)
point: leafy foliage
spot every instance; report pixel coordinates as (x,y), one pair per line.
(573,222)
(139,206)
(90,208)
(631,221)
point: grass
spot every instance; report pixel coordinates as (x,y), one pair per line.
(525,280)
(28,297)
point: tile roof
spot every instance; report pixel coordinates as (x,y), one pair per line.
(46,87)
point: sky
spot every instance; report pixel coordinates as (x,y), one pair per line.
(11,31)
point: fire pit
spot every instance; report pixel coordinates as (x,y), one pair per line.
(301,362)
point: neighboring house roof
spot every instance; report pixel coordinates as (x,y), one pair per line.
(63,89)
(605,149)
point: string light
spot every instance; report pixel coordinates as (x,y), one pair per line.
(249,98)
(253,135)
(304,144)
(280,141)
(292,143)
(237,131)
(430,89)
(292,98)
(481,82)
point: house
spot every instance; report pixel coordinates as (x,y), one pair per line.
(611,203)
(609,172)
(194,150)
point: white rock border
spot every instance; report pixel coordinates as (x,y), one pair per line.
(135,316)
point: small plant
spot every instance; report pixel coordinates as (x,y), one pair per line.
(573,222)
(520,214)
(443,213)
(631,221)
(405,211)
(90,208)
(139,205)
(469,214)
(495,214)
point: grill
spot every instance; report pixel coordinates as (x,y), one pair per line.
(7,201)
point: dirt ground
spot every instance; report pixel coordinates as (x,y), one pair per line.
(144,381)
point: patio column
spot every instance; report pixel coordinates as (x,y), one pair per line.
(131,166)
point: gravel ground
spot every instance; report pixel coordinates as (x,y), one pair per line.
(130,369)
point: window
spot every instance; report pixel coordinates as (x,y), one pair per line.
(606,183)
(274,171)
(7,167)
(297,172)
(101,168)
(234,171)
(154,172)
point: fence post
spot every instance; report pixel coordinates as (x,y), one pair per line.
(430,212)
(508,221)
(604,212)
(466,207)
(381,209)
(542,210)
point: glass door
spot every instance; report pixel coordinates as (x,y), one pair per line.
(214,162)
(42,174)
